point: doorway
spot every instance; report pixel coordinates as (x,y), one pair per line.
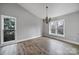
(8,31)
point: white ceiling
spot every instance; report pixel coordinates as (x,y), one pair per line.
(54,9)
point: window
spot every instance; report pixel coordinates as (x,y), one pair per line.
(56,27)
(53,29)
(60,27)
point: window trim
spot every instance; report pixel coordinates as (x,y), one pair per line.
(56,34)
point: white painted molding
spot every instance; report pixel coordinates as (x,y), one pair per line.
(17,41)
(6,43)
(28,39)
(64,40)
(69,41)
(2,28)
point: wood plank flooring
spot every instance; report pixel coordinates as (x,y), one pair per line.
(40,46)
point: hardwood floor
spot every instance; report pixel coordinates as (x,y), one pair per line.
(40,46)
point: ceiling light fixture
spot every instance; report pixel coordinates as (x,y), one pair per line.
(47,19)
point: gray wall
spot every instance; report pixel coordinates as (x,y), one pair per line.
(0,29)
(27,24)
(71,26)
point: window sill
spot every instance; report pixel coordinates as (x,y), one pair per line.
(56,35)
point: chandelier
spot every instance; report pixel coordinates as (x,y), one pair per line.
(47,19)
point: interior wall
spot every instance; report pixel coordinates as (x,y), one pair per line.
(0,22)
(71,26)
(0,29)
(27,24)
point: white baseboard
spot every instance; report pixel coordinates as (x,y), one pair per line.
(28,38)
(17,41)
(64,40)
(10,43)
(69,41)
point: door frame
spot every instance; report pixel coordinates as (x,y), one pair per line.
(2,28)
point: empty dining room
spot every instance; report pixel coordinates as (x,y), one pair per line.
(39,28)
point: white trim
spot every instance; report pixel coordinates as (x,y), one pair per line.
(65,40)
(28,38)
(2,28)
(73,42)
(8,43)
(17,41)
(70,41)
(56,29)
(56,34)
